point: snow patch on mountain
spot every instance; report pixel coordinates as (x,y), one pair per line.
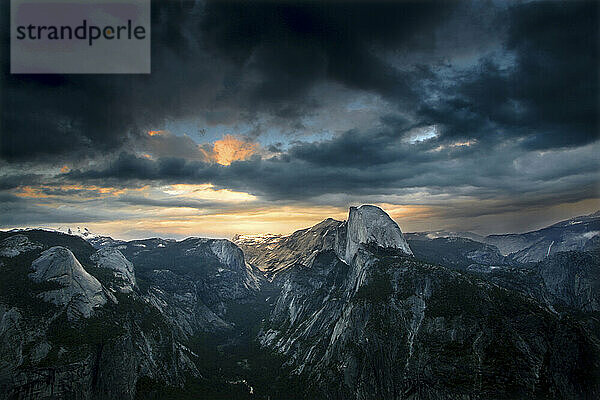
(82,232)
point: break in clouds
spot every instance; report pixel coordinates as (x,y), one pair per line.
(463,109)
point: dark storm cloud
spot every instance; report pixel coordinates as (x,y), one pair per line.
(549,97)
(231,59)
(354,149)
(244,58)
(278,178)
(131,168)
(188,203)
(557,80)
(20,211)
(204,207)
(55,117)
(295,44)
(15,180)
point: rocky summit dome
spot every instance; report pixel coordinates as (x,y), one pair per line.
(371,225)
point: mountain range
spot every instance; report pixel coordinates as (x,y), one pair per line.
(349,309)
(579,233)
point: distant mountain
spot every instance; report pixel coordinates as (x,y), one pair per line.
(558,278)
(82,232)
(579,233)
(572,234)
(273,254)
(564,282)
(457,252)
(96,240)
(430,235)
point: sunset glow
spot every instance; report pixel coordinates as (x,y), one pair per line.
(231,148)
(207,192)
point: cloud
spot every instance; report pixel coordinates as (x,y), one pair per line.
(480,108)
(290,46)
(393,167)
(166,144)
(546,98)
(230,149)
(228,60)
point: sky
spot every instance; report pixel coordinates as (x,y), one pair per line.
(272,116)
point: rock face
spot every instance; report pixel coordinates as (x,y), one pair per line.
(40,364)
(48,350)
(371,225)
(273,254)
(367,224)
(573,279)
(122,268)
(572,234)
(227,253)
(11,343)
(388,324)
(233,257)
(192,282)
(566,282)
(17,244)
(382,325)
(457,252)
(79,291)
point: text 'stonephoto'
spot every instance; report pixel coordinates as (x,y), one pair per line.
(299,200)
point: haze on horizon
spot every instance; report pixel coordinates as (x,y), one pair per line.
(270,117)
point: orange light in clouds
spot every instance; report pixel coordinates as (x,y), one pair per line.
(65,169)
(152,133)
(230,149)
(31,192)
(207,192)
(85,190)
